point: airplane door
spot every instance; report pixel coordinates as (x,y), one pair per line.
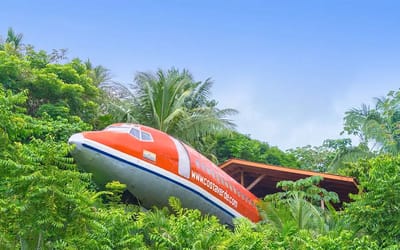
(183,159)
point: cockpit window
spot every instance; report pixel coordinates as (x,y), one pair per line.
(146,136)
(135,132)
(132,130)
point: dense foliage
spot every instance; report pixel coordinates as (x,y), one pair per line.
(47,203)
(333,156)
(236,145)
(373,210)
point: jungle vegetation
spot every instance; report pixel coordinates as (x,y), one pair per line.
(46,202)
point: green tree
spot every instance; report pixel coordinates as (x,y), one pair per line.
(297,207)
(55,89)
(236,145)
(375,210)
(332,156)
(315,158)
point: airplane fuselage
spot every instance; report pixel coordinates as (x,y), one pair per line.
(156,166)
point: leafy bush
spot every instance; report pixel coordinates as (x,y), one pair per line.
(375,210)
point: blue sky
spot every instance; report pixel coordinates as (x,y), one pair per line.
(291,68)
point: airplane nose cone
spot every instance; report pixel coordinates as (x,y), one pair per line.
(76,139)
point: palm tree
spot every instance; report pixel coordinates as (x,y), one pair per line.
(99,74)
(13,41)
(292,214)
(380,126)
(173,102)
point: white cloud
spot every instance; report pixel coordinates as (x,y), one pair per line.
(261,118)
(291,115)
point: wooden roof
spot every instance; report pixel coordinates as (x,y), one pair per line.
(261,179)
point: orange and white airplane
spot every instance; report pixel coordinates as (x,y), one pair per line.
(155,166)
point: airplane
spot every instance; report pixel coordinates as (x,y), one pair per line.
(156,166)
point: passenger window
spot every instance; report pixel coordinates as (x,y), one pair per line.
(212,173)
(203,167)
(135,132)
(218,177)
(208,170)
(226,183)
(146,136)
